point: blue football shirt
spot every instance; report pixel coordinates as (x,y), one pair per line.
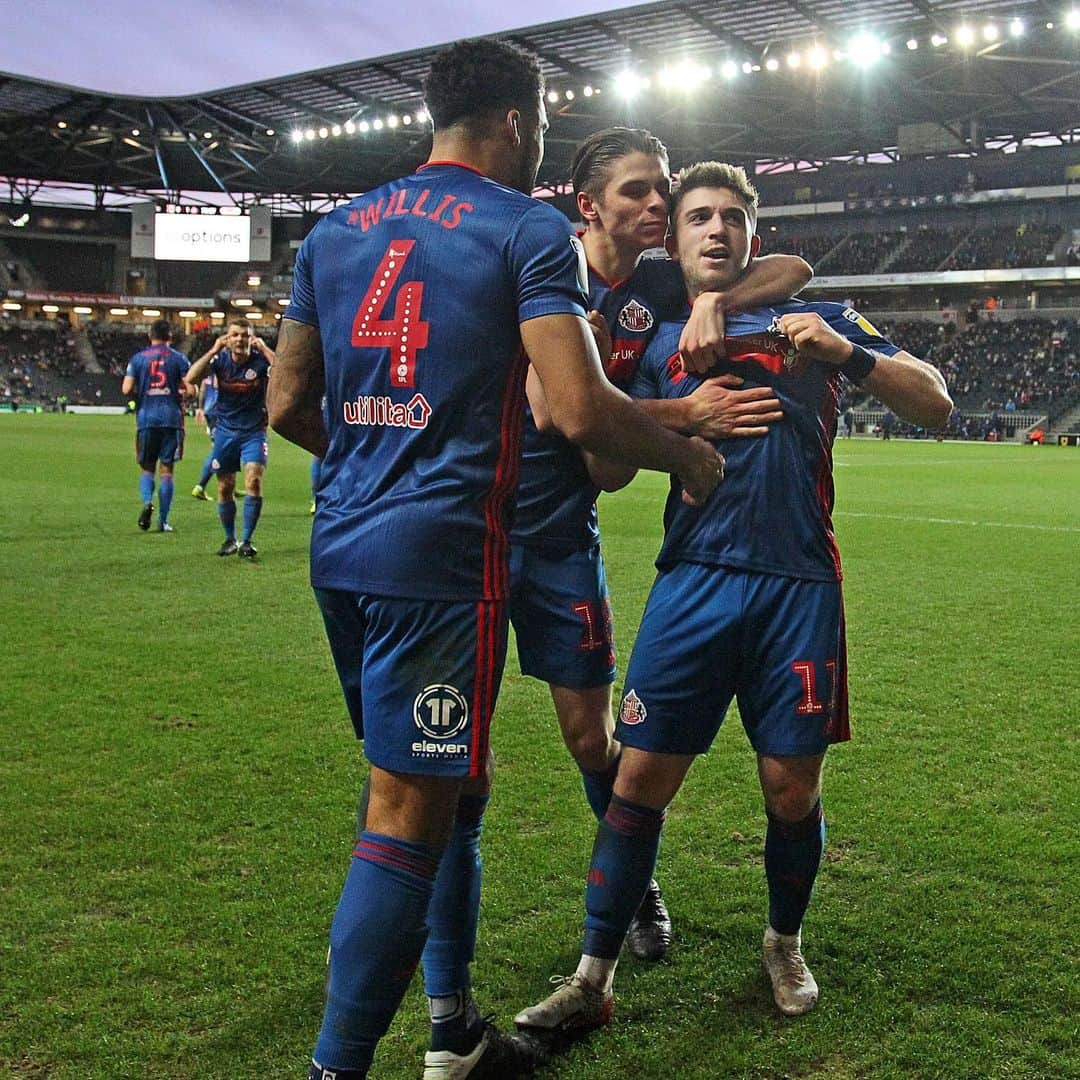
(773,511)
(159,374)
(556,498)
(241,391)
(210,397)
(418,289)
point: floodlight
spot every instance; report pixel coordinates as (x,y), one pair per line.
(22,218)
(627,84)
(364,126)
(335,130)
(553,96)
(297,136)
(309,134)
(747,67)
(323,132)
(865,50)
(912,44)
(407,119)
(1072,19)
(991,32)
(964,35)
(569,95)
(794,59)
(270,132)
(588,91)
(392,121)
(730,69)
(772,64)
(377,124)
(350,127)
(817,57)
(937,40)
(1016,28)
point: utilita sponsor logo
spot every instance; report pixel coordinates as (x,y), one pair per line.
(385,412)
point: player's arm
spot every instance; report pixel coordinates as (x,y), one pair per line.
(199,370)
(770,279)
(265,349)
(294,395)
(718,409)
(592,413)
(128,385)
(912,388)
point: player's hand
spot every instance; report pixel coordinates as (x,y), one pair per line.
(718,411)
(188,389)
(601,335)
(257,343)
(815,338)
(701,343)
(221,343)
(199,416)
(702,473)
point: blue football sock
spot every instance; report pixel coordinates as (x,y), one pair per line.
(455,904)
(252,510)
(165,494)
(599,787)
(227,513)
(623,859)
(792,857)
(375,944)
(146,487)
(207,470)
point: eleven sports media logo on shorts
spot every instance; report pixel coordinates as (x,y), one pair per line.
(440,712)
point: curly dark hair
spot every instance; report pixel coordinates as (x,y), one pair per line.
(593,159)
(472,79)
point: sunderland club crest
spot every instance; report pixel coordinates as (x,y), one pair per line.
(636,317)
(633,709)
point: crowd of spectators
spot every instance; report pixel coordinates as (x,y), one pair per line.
(114,345)
(992,248)
(31,359)
(997,369)
(863,252)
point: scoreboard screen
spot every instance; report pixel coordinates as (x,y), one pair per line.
(202,238)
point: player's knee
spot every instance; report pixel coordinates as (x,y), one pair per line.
(591,743)
(253,486)
(792,800)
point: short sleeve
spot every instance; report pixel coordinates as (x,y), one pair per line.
(131,370)
(548,264)
(302,304)
(860,330)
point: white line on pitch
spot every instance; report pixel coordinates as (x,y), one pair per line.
(959,521)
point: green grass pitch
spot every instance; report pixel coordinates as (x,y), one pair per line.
(178,780)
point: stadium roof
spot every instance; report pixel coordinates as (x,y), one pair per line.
(781,80)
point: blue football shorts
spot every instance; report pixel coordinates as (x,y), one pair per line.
(234,449)
(154,444)
(709,634)
(420,677)
(561,616)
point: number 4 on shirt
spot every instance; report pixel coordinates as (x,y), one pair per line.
(406,333)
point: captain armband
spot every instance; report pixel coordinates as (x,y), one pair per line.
(860,365)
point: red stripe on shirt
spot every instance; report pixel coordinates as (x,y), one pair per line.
(827,416)
(507,466)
